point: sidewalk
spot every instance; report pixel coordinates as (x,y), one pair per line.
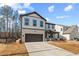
(45,49)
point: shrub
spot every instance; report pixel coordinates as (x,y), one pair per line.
(62,39)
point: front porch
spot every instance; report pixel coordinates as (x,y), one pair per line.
(51,35)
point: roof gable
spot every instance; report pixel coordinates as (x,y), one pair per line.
(33,14)
(69,30)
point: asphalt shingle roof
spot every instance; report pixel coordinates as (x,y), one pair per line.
(69,30)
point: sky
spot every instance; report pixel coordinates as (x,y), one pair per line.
(58,13)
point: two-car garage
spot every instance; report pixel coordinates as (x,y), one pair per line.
(30,35)
(33,37)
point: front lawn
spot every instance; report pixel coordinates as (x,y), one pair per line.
(13,49)
(72,46)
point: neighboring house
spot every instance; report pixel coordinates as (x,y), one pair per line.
(61,28)
(71,32)
(50,32)
(67,32)
(33,27)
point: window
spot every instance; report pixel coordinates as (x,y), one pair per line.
(48,25)
(49,36)
(53,26)
(0,29)
(34,22)
(41,23)
(26,21)
(61,29)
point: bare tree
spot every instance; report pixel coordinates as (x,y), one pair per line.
(9,22)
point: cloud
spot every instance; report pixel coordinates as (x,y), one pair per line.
(19,6)
(47,19)
(21,11)
(68,8)
(62,17)
(28,6)
(51,8)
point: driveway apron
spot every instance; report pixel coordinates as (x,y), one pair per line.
(45,49)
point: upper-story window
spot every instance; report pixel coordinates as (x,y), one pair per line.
(41,23)
(26,21)
(53,26)
(48,25)
(34,22)
(61,29)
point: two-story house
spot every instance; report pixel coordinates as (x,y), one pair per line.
(60,28)
(67,32)
(51,33)
(57,31)
(33,27)
(71,33)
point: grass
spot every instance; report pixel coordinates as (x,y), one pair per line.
(13,49)
(72,46)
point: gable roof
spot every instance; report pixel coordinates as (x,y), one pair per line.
(33,13)
(69,30)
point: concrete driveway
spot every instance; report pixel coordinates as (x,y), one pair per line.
(45,49)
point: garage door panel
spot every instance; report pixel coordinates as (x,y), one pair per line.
(33,37)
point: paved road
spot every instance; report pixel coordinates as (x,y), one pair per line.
(45,49)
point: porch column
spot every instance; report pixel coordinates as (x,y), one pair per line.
(58,35)
(50,36)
